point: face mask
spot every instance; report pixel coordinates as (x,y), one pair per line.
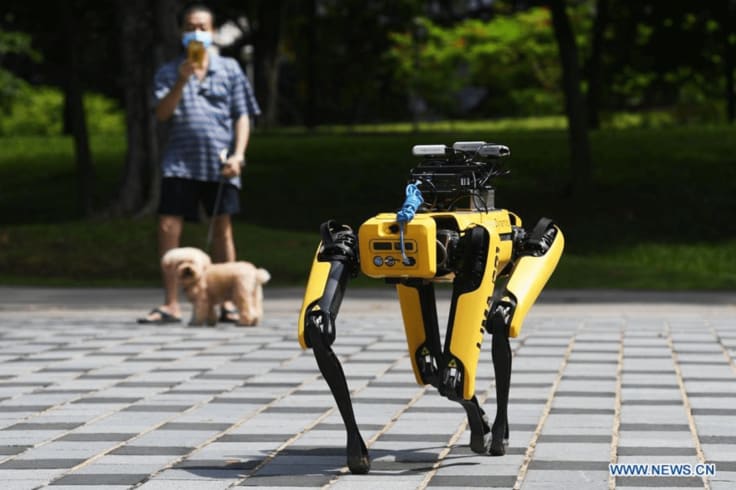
(204,37)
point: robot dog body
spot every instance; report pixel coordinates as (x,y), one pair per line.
(496,267)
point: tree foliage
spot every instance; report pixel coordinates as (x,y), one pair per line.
(13,44)
(504,66)
(377,58)
(357,61)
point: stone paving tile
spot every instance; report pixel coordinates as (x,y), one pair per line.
(111,404)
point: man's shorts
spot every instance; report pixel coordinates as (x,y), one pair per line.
(181,197)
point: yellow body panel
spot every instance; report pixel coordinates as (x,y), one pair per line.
(529,277)
(379,241)
(470,314)
(315,289)
(411,312)
(380,249)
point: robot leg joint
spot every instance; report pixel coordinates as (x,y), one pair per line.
(321,323)
(451,380)
(500,315)
(427,365)
(339,244)
(538,241)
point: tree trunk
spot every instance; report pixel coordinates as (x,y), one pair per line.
(145,40)
(728,59)
(574,101)
(310,112)
(266,50)
(594,64)
(730,95)
(74,115)
(166,45)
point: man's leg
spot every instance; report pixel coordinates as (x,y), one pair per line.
(223,244)
(169,234)
(179,200)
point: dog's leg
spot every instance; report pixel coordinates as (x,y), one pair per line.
(243,300)
(199,313)
(253,303)
(193,301)
(246,317)
(258,302)
(211,314)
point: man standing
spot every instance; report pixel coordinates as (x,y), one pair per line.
(207,102)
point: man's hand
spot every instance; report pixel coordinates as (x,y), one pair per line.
(186,70)
(166,106)
(231,167)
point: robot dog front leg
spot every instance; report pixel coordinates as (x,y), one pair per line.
(336,261)
(497,324)
(429,362)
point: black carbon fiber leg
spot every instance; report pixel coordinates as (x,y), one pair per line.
(501,351)
(339,248)
(480,431)
(331,369)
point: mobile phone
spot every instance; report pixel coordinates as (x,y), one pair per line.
(195,53)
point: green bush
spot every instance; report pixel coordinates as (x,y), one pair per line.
(36,111)
(103,115)
(657,216)
(39,111)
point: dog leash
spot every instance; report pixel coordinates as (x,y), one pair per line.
(218,198)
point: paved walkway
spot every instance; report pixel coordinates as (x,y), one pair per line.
(89,398)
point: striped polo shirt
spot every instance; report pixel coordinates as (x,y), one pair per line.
(202,125)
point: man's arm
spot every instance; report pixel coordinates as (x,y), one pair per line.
(237,159)
(167,105)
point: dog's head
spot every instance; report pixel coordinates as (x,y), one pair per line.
(189,264)
(176,256)
(190,272)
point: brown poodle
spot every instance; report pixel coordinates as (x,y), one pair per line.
(207,285)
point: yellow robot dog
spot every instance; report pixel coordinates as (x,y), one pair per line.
(447,230)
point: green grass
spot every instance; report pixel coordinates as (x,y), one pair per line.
(658,216)
(485,126)
(123,252)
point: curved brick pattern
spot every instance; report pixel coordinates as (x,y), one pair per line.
(89,399)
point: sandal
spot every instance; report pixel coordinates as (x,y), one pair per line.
(157,316)
(229,315)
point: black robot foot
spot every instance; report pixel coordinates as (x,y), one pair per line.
(498,447)
(358,460)
(480,443)
(499,442)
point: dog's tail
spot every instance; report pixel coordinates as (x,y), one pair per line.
(262,276)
